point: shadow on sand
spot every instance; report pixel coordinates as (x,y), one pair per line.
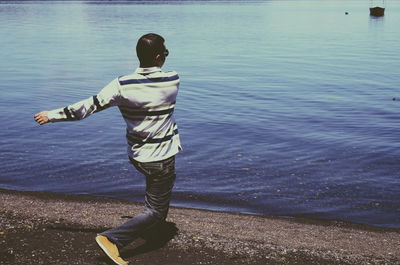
(155,238)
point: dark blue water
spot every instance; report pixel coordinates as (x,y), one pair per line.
(286,107)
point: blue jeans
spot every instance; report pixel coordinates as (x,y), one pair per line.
(160,178)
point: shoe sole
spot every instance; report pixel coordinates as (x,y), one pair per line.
(104,249)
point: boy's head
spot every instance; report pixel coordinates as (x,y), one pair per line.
(151,51)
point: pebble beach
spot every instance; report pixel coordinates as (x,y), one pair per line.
(49,228)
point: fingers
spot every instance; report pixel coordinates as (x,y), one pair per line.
(41,117)
(40,120)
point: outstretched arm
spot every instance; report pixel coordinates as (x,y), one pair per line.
(107,97)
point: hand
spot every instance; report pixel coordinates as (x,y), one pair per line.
(42,117)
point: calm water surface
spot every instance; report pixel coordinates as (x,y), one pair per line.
(286,107)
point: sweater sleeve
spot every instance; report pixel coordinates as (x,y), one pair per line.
(107,97)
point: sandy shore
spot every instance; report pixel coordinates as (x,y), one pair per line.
(46,228)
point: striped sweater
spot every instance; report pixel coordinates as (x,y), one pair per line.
(146,100)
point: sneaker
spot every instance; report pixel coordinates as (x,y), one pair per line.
(110,249)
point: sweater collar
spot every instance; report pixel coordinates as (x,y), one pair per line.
(148,70)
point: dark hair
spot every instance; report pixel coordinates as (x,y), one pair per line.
(147,48)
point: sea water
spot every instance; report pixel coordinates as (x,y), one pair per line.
(288,108)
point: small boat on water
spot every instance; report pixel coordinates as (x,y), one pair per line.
(377,11)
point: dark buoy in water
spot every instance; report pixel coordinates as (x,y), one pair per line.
(346,13)
(394,99)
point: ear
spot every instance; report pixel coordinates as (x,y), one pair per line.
(158,57)
(159,60)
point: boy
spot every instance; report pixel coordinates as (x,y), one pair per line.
(146,100)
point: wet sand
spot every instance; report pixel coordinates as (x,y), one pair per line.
(47,228)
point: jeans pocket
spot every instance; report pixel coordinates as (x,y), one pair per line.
(150,169)
(157,169)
